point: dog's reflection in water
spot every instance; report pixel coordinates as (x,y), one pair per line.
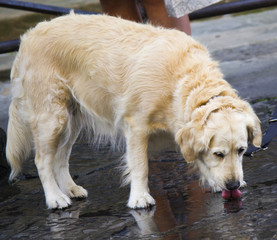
(60,222)
(151,224)
(145,221)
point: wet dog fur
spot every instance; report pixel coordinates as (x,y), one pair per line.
(122,79)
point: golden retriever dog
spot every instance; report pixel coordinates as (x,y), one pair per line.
(120,78)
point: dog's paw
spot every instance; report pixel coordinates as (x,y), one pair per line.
(141,201)
(77,192)
(59,201)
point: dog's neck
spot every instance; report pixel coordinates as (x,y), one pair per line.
(185,102)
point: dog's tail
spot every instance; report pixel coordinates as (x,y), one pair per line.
(19,135)
(19,141)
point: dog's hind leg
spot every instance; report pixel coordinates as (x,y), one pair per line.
(49,131)
(137,164)
(61,162)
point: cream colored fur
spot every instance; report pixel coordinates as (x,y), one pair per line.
(122,79)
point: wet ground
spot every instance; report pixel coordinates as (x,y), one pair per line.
(183,209)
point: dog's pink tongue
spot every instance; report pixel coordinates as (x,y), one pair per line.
(231,194)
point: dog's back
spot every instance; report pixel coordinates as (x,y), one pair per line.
(98,60)
(97,66)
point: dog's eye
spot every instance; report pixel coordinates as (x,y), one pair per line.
(241,150)
(219,154)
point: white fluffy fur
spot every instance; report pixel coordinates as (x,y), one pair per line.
(122,79)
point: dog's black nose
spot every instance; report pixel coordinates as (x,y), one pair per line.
(232,185)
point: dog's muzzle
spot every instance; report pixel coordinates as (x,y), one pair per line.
(232,185)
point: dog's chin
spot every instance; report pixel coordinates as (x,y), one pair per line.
(206,178)
(216,189)
(210,184)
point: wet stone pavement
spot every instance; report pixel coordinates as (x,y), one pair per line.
(246,47)
(184,210)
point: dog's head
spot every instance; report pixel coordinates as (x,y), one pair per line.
(216,138)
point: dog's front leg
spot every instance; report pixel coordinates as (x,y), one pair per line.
(137,163)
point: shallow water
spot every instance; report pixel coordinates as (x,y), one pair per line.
(184,210)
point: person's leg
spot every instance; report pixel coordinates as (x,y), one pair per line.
(126,9)
(182,24)
(157,15)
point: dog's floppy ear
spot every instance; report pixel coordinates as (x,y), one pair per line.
(185,139)
(253,126)
(192,137)
(254,131)
(192,140)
